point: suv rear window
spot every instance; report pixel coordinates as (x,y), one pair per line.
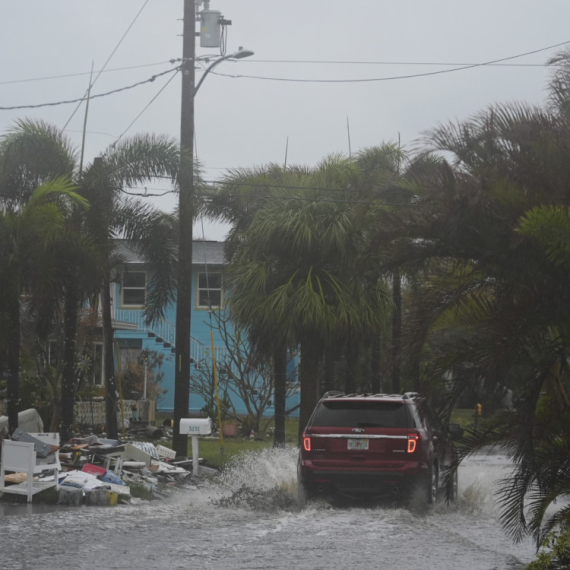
(351,413)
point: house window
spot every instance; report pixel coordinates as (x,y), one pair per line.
(134,288)
(209,290)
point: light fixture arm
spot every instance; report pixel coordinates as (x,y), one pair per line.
(237,55)
(208,69)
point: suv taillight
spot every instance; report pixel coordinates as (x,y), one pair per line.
(413,439)
(307,443)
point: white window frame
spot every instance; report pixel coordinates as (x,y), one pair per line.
(123,288)
(199,289)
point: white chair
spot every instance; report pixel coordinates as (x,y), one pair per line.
(20,457)
(52,460)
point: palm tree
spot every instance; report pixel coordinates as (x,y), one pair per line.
(32,234)
(236,201)
(132,162)
(35,151)
(381,171)
(294,273)
(489,225)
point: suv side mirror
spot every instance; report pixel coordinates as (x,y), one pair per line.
(455,431)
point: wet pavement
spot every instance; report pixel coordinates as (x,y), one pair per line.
(250,521)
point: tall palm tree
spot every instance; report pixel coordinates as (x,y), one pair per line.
(295,270)
(32,234)
(134,161)
(492,222)
(236,201)
(34,151)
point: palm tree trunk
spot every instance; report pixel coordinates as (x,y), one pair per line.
(13,360)
(55,420)
(309,369)
(68,373)
(350,372)
(280,389)
(396,332)
(109,366)
(376,365)
(328,368)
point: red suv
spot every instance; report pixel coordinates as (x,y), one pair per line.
(377,445)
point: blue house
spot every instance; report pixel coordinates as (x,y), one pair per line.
(132,335)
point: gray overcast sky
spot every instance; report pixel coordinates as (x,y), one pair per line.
(243,122)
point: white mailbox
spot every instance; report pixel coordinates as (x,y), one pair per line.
(196,426)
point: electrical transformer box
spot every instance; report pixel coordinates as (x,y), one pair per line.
(210,28)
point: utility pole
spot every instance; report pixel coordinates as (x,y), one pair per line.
(186,213)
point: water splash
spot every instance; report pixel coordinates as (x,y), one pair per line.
(266,481)
(479,479)
(263,480)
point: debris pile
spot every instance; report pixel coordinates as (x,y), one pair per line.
(97,471)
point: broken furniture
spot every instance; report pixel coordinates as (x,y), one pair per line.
(21,457)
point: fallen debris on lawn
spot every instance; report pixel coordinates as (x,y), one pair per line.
(98,471)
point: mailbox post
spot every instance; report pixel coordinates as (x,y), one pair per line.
(195,427)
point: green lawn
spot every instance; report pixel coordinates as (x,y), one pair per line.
(463,417)
(210,449)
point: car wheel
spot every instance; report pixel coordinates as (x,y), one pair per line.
(452,488)
(432,485)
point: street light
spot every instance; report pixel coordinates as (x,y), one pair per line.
(185,216)
(242,53)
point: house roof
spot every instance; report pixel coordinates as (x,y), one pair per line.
(203,252)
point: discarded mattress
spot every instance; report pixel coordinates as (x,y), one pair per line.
(28,420)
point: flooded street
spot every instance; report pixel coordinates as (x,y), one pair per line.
(250,522)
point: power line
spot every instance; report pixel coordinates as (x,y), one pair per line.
(280,186)
(249,60)
(270,186)
(377,79)
(278,197)
(93,133)
(147,195)
(106,63)
(250,185)
(325,200)
(171,61)
(150,80)
(462,68)
(260,185)
(146,107)
(345,62)
(214,183)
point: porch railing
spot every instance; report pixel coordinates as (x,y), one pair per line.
(166,330)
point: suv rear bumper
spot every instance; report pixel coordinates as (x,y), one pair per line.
(366,482)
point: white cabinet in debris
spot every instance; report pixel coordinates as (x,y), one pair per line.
(195,427)
(20,457)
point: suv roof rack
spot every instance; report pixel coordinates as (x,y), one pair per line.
(338,394)
(333,394)
(410,395)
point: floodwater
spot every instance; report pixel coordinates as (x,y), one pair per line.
(249,520)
